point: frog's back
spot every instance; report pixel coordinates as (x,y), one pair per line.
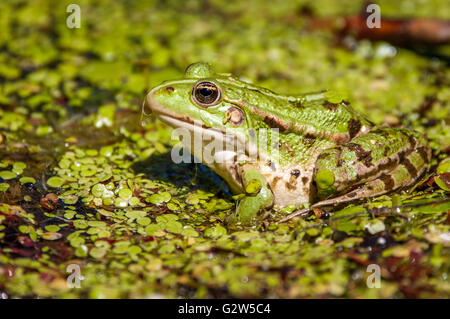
(313,115)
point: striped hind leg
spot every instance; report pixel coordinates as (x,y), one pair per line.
(409,169)
(368,157)
(404,174)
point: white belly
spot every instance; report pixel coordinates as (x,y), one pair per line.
(287,187)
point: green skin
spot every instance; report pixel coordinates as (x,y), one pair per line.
(327,152)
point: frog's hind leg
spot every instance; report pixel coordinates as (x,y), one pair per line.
(382,185)
(410,168)
(379,186)
(374,155)
(406,173)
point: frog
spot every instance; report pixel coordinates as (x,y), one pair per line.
(324,152)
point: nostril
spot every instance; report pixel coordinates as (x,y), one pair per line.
(169,89)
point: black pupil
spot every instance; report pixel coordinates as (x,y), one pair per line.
(206,93)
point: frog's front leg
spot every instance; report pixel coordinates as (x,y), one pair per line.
(257,196)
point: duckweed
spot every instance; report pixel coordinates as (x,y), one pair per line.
(25,180)
(6,175)
(82,181)
(55,181)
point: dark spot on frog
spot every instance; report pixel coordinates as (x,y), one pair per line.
(341,138)
(293,179)
(325,154)
(275,181)
(412,141)
(295,173)
(423,152)
(386,150)
(235,171)
(410,167)
(272,122)
(169,89)
(297,104)
(292,184)
(354,126)
(362,156)
(322,156)
(352,194)
(388,181)
(330,106)
(308,140)
(305,180)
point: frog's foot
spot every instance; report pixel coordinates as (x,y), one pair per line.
(248,212)
(252,208)
(258,198)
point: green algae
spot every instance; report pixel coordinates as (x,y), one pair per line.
(139,225)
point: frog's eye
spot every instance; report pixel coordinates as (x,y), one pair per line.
(206,94)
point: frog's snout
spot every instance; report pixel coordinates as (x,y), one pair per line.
(148,106)
(146,112)
(153,99)
(155,102)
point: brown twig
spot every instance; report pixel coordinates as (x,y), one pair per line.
(402,32)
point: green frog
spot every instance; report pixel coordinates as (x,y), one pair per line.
(321,153)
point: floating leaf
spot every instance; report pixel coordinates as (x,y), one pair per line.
(6,175)
(51,236)
(55,181)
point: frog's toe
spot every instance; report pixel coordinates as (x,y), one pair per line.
(246,219)
(249,212)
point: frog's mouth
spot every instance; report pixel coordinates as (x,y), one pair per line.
(175,120)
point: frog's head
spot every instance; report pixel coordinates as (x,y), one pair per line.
(212,101)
